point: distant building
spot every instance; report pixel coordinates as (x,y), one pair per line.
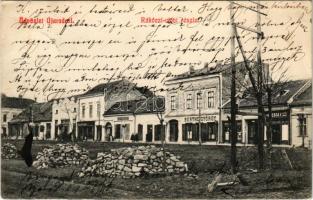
(40,114)
(291,114)
(194,103)
(11,107)
(64,116)
(135,120)
(95,102)
(301,117)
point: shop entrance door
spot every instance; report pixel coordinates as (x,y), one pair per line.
(99,132)
(276,134)
(252,131)
(173,130)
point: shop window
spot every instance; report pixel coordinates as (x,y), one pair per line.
(189,101)
(173,130)
(4,131)
(117,131)
(126,132)
(209,132)
(42,128)
(149,133)
(4,118)
(36,134)
(252,131)
(157,132)
(187,132)
(227,132)
(140,131)
(48,132)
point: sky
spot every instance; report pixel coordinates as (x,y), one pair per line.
(139,49)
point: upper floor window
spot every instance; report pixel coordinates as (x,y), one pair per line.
(199,100)
(74,110)
(90,110)
(173,103)
(189,101)
(211,99)
(83,110)
(56,112)
(4,118)
(98,109)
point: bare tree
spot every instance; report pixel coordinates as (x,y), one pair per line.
(160,114)
(66,108)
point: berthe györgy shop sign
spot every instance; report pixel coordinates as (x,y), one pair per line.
(203,118)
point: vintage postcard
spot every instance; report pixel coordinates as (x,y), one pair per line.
(156,99)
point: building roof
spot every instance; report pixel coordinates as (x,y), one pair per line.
(121,86)
(41,112)
(205,71)
(15,102)
(282,93)
(150,105)
(303,99)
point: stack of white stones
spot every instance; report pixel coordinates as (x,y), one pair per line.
(132,162)
(61,155)
(8,151)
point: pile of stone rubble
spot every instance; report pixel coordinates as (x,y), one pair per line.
(61,155)
(8,151)
(132,162)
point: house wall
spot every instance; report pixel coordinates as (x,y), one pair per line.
(123,121)
(106,100)
(63,109)
(185,114)
(133,121)
(10,113)
(145,120)
(192,87)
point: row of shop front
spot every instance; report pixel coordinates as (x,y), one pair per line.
(210,129)
(178,129)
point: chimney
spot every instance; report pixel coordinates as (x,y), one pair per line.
(191,69)
(218,64)
(206,67)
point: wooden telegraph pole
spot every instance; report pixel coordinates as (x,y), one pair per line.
(256,84)
(233,137)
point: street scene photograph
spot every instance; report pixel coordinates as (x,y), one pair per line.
(156,99)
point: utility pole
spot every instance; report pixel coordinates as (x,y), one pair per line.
(233,158)
(199,121)
(260,92)
(256,84)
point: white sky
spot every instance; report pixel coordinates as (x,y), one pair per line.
(290,17)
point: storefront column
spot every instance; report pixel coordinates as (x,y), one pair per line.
(180,133)
(244,131)
(144,132)
(95,132)
(52,130)
(167,132)
(153,132)
(102,134)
